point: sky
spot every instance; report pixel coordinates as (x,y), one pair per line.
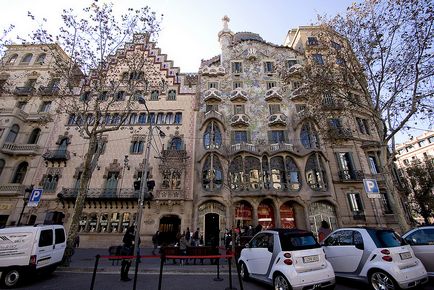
(189,27)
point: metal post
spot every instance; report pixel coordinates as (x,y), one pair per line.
(22,212)
(143,187)
(94,271)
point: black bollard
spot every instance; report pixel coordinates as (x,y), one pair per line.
(240,280)
(163,259)
(218,271)
(135,271)
(230,275)
(94,271)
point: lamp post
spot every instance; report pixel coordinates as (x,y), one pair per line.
(143,190)
(27,193)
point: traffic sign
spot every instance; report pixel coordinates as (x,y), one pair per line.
(35,197)
(371,188)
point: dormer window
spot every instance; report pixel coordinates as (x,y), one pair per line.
(213,85)
(237,85)
(271,85)
(268,67)
(237,67)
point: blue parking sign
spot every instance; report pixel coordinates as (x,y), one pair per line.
(35,197)
(371,188)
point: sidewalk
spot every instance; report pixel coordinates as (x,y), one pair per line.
(83,260)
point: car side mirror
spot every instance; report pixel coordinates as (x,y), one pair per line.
(360,246)
(247,245)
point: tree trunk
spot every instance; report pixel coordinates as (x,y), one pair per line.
(79,202)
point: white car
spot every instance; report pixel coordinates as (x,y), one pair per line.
(378,256)
(421,241)
(286,259)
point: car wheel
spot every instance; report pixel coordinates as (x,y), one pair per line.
(380,280)
(244,272)
(11,277)
(281,283)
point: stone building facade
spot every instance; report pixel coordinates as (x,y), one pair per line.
(232,146)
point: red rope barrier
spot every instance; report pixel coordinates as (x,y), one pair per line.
(171,257)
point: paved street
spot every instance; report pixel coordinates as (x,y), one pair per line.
(176,277)
(195,281)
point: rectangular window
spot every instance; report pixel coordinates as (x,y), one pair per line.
(178,118)
(213,85)
(336,45)
(268,67)
(318,59)
(431,139)
(171,95)
(239,109)
(137,147)
(276,136)
(271,85)
(373,164)
(335,123)
(366,125)
(274,108)
(386,203)
(422,143)
(296,85)
(311,40)
(155,95)
(45,107)
(239,137)
(291,62)
(355,202)
(237,85)
(237,67)
(21,105)
(209,108)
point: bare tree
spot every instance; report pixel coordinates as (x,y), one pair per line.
(419,187)
(98,75)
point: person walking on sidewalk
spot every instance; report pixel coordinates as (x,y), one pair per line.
(155,241)
(127,250)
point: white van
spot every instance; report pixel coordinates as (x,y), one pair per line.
(24,250)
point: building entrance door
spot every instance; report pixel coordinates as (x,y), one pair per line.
(212,231)
(169,227)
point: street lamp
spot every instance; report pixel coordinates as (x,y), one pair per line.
(26,196)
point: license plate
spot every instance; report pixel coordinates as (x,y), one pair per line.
(406,255)
(310,259)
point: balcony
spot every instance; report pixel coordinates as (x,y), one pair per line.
(351,175)
(212,70)
(174,154)
(240,119)
(277,119)
(212,95)
(24,91)
(243,146)
(239,95)
(20,149)
(273,94)
(48,90)
(16,112)
(101,193)
(281,147)
(56,155)
(12,189)
(213,114)
(331,104)
(340,133)
(166,194)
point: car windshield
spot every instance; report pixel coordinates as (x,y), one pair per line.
(386,238)
(291,241)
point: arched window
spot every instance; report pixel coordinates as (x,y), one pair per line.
(41,58)
(265,172)
(293,174)
(160,118)
(26,59)
(13,133)
(13,59)
(309,136)
(169,118)
(112,181)
(50,182)
(212,138)
(137,147)
(176,144)
(20,173)
(142,118)
(236,174)
(278,174)
(133,118)
(2,166)
(178,118)
(34,136)
(315,172)
(212,173)
(252,167)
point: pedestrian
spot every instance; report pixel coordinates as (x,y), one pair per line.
(323,231)
(155,241)
(77,241)
(188,234)
(196,238)
(127,250)
(183,244)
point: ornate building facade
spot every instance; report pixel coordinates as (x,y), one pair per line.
(233,145)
